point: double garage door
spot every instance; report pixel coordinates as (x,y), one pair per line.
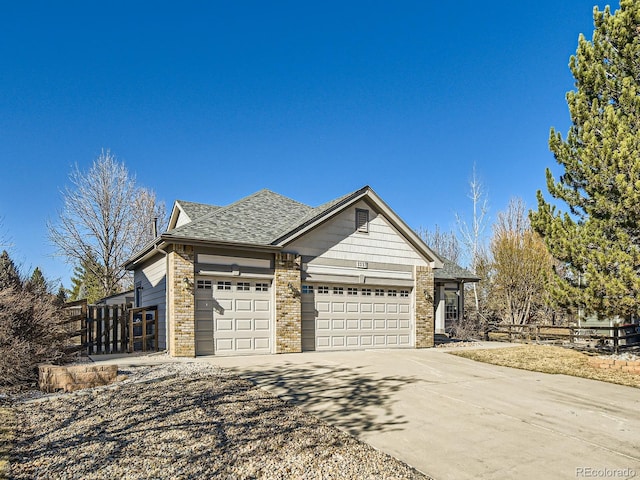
(233,316)
(336,317)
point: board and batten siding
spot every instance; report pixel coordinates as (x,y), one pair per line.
(337,240)
(153,279)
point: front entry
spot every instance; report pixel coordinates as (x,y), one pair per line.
(232,316)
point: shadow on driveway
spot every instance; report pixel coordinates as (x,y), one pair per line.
(347,397)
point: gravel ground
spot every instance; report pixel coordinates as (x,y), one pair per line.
(185,421)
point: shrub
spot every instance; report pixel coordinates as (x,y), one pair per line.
(31,332)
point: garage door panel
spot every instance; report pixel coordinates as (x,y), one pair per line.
(379,340)
(225,304)
(261,305)
(262,325)
(353,341)
(332,322)
(337,324)
(262,344)
(244,305)
(323,307)
(244,325)
(223,324)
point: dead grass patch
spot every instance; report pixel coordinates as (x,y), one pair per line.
(549,359)
(7,432)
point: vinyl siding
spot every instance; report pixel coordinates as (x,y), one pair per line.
(152,277)
(338,240)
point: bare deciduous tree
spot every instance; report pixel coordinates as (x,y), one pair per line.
(105,217)
(472,235)
(444,243)
(522,266)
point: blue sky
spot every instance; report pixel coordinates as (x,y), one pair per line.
(211,101)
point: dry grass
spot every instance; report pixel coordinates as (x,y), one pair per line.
(7,425)
(548,359)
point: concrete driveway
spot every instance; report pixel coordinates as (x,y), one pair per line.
(453,418)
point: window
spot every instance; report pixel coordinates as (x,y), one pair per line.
(307,288)
(379,292)
(404,293)
(204,284)
(338,290)
(262,287)
(451,305)
(322,290)
(392,293)
(352,291)
(366,292)
(224,286)
(362,220)
(243,286)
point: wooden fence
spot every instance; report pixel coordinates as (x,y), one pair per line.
(105,329)
(616,337)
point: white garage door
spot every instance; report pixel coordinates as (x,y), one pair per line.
(232,316)
(352,317)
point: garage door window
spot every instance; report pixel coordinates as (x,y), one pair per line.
(352,291)
(224,286)
(366,292)
(204,284)
(262,287)
(307,289)
(323,290)
(379,292)
(338,290)
(392,293)
(243,287)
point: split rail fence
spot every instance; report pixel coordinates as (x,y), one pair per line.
(615,337)
(102,329)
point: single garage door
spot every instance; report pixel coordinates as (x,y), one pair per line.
(336,317)
(232,316)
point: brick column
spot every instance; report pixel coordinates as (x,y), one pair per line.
(182,341)
(424,293)
(287,284)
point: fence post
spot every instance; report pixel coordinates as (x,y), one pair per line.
(616,339)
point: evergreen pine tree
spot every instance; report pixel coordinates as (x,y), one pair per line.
(9,276)
(37,284)
(85,283)
(598,240)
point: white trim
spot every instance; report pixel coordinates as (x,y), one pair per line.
(210,273)
(227,260)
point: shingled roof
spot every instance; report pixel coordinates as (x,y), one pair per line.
(454,272)
(258,219)
(196,210)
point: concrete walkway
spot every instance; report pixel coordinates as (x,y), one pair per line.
(454,418)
